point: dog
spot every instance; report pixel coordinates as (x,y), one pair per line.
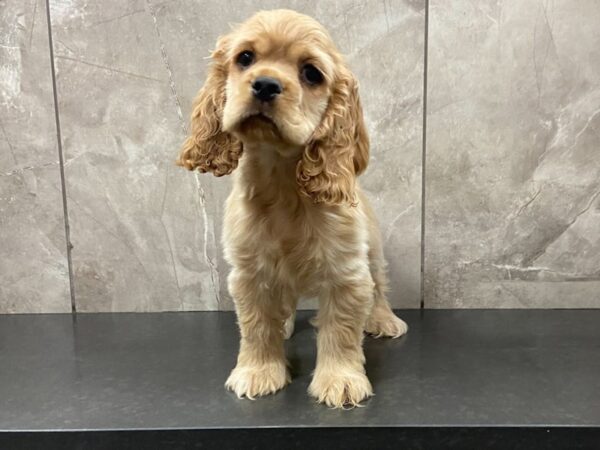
(280,104)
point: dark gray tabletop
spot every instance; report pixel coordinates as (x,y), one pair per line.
(157,371)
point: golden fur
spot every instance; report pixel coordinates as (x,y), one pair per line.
(296,223)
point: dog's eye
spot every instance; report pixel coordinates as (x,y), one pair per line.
(311,74)
(245,59)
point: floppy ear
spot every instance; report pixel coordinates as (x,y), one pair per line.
(209,148)
(339,148)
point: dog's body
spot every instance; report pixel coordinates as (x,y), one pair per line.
(296,222)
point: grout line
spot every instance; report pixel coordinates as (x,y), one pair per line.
(61,161)
(424,153)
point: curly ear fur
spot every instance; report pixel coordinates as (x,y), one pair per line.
(339,148)
(209,148)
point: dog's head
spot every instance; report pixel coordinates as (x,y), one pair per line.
(278,78)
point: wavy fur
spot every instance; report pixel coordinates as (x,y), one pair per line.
(296,222)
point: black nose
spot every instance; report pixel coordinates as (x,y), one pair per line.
(266,88)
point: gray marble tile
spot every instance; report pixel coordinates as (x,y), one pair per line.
(513,155)
(33,264)
(383,42)
(142,231)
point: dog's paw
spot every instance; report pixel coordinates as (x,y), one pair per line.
(288,326)
(345,388)
(384,323)
(256,381)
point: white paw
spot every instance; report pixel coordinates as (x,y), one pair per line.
(288,326)
(385,324)
(256,381)
(340,388)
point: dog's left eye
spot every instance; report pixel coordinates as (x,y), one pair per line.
(311,74)
(245,59)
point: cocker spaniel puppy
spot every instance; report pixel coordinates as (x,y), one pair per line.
(281,106)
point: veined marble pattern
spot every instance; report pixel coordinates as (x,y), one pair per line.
(146,233)
(372,34)
(513,154)
(512,211)
(142,231)
(33,264)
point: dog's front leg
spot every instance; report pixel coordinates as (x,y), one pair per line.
(344,305)
(261,366)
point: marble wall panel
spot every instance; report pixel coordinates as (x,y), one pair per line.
(33,263)
(142,231)
(513,154)
(512,158)
(383,42)
(146,233)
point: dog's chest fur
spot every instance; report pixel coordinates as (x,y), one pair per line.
(272,231)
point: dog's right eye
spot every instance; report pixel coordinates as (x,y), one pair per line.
(245,59)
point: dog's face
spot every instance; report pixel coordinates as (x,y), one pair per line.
(280,71)
(278,78)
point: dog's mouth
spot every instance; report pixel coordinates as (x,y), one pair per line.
(260,118)
(259,121)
